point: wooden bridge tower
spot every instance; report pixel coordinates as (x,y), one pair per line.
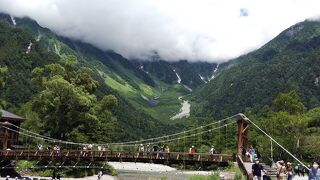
(242,136)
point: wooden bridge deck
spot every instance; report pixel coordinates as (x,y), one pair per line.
(78,155)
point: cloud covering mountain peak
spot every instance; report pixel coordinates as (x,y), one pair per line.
(207,30)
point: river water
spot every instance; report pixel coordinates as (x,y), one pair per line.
(184,111)
(137,171)
(141,171)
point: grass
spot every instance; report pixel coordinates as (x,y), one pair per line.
(166,94)
(117,86)
(147,90)
(213,176)
(22,168)
(169,104)
(235,169)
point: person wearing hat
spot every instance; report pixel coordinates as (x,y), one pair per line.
(192,151)
(282,170)
(213,151)
(257,168)
(314,173)
(148,150)
(141,150)
(289,170)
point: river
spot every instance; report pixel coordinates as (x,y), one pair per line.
(139,171)
(184,111)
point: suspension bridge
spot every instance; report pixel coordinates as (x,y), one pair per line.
(179,143)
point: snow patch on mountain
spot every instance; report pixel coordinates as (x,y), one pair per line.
(187,88)
(56,49)
(141,67)
(203,79)
(29,48)
(317,81)
(13,21)
(178,77)
(214,72)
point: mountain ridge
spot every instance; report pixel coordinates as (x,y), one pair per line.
(288,62)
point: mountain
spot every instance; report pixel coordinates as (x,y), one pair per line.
(291,61)
(24,45)
(191,74)
(152,86)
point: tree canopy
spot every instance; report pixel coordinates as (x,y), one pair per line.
(289,124)
(67,106)
(288,102)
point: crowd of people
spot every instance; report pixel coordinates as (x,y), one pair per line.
(285,171)
(252,153)
(163,151)
(56,149)
(155,152)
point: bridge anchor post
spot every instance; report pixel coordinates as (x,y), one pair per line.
(242,138)
(5,136)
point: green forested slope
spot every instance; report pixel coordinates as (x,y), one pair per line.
(13,46)
(291,61)
(18,89)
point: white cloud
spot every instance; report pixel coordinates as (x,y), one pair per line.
(212,30)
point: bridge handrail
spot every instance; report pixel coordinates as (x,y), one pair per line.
(87,154)
(243,168)
(111,151)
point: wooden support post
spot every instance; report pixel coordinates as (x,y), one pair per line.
(5,140)
(5,136)
(242,139)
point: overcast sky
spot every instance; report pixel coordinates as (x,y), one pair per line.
(211,30)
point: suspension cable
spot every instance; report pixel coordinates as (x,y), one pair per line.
(277,143)
(154,142)
(123,143)
(42,136)
(192,135)
(182,132)
(33,136)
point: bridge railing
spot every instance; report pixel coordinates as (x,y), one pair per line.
(243,168)
(114,155)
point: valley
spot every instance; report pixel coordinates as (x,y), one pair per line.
(144,90)
(74,94)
